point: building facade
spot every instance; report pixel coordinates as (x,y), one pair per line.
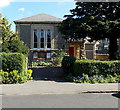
(41,34)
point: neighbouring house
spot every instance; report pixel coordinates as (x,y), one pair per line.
(119,47)
(41,34)
(102,49)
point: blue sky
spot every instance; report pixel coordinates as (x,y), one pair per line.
(17,10)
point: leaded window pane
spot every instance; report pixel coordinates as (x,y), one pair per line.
(35,39)
(42,38)
(48,39)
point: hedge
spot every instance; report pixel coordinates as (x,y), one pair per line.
(67,64)
(14,77)
(96,67)
(14,61)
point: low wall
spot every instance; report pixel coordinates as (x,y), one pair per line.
(47,73)
(102,56)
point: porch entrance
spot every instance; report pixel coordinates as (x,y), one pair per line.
(74,49)
(71,51)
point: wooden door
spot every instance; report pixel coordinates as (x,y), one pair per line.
(71,51)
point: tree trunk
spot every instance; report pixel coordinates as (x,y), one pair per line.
(113,48)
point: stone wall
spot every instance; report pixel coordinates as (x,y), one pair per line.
(102,57)
(49,73)
(25,34)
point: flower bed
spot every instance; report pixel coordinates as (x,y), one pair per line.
(91,71)
(93,79)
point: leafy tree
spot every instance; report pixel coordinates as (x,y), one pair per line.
(98,20)
(0,33)
(10,40)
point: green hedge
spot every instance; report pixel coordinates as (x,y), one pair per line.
(67,64)
(14,61)
(96,67)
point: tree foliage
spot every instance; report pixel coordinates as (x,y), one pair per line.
(10,40)
(98,20)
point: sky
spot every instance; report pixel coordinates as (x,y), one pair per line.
(14,10)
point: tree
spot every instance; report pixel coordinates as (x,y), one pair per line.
(10,40)
(98,20)
(0,33)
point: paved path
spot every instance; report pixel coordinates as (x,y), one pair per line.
(53,87)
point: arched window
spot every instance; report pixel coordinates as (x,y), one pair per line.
(42,38)
(48,39)
(35,39)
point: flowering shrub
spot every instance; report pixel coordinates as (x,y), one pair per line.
(94,79)
(14,77)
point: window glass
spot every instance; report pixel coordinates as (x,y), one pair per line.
(48,39)
(35,38)
(42,39)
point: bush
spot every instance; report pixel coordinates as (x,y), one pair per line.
(29,74)
(14,77)
(93,79)
(67,64)
(93,67)
(58,56)
(14,61)
(42,63)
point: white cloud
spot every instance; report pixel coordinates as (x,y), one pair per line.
(4,3)
(21,9)
(44,0)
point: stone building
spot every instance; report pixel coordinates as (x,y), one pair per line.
(41,34)
(119,47)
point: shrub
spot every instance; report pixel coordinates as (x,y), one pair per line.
(14,61)
(58,56)
(67,64)
(29,74)
(92,67)
(14,77)
(93,79)
(42,63)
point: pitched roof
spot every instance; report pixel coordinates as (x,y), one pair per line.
(42,17)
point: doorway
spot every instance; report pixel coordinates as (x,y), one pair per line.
(71,51)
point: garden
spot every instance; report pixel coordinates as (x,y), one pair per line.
(91,71)
(56,59)
(14,56)
(14,68)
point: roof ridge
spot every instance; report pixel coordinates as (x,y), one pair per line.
(40,17)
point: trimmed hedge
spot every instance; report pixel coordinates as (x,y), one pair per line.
(67,64)
(96,67)
(14,61)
